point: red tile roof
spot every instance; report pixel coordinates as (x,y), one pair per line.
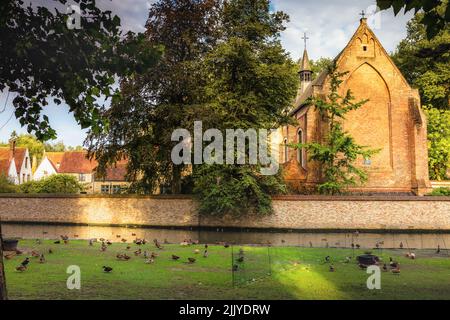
(4,167)
(5,154)
(76,162)
(116,172)
(19,156)
(55,159)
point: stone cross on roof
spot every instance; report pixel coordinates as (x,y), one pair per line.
(362,14)
(305,38)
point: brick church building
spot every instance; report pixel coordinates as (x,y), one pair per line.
(392,121)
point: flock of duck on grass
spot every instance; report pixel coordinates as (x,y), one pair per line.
(151,257)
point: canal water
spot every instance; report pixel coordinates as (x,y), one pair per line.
(339,240)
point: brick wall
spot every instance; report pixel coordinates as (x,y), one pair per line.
(291,212)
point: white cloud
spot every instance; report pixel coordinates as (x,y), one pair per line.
(331,23)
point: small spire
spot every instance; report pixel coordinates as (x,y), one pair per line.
(305,65)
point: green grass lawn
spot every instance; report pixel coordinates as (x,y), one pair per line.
(275,273)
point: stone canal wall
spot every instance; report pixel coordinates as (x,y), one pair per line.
(291,212)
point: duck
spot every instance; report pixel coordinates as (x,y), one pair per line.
(347,259)
(235,267)
(327,259)
(358,246)
(149,261)
(21,268)
(57,242)
(124,240)
(138,252)
(64,237)
(146,254)
(102,239)
(25,262)
(133,234)
(10,256)
(191,260)
(184,243)
(226,245)
(396,270)
(128,247)
(109,243)
(411,255)
(50,251)
(35,254)
(174,257)
(119,256)
(196,251)
(153,255)
(118,236)
(332,269)
(205,254)
(385,268)
(42,259)
(157,245)
(75,236)
(107,269)
(393,264)
(66,241)
(240,259)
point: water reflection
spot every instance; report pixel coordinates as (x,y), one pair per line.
(341,240)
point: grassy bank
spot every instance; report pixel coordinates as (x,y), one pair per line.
(274,273)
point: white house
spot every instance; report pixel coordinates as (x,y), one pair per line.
(49,165)
(8,169)
(16,163)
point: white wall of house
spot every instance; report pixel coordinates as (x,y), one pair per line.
(12,172)
(26,172)
(45,169)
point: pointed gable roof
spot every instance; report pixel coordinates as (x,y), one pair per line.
(304,64)
(55,159)
(362,30)
(320,80)
(19,155)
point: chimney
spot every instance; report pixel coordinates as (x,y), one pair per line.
(12,146)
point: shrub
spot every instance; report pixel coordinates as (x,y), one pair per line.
(54,184)
(441,192)
(6,186)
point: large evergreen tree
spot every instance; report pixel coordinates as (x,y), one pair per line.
(251,83)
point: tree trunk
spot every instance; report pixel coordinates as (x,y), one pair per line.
(176,180)
(3,294)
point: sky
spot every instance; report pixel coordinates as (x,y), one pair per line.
(329,25)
